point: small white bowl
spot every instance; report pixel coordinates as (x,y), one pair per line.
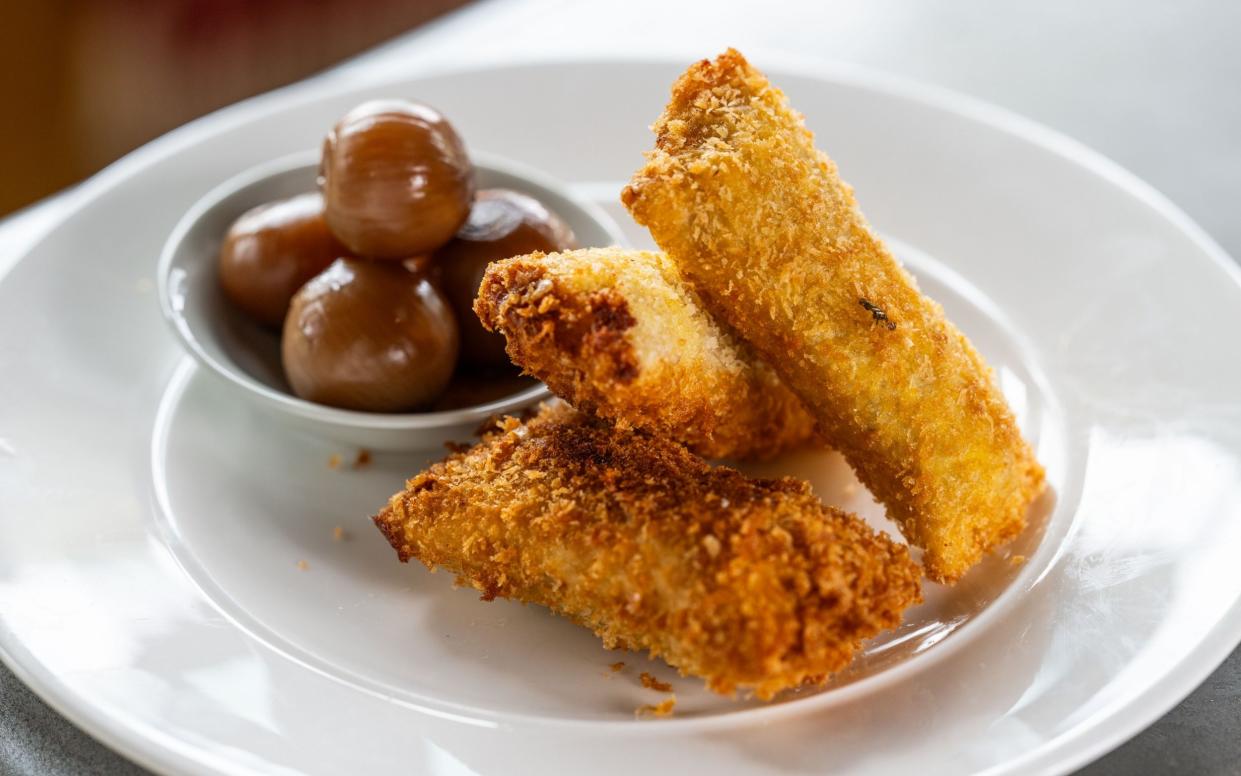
(248,357)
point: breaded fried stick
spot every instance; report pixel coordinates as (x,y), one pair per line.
(751,584)
(759,222)
(617,334)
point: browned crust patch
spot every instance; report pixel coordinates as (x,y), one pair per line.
(746,583)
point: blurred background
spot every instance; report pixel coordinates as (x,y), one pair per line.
(86,81)
(1151,83)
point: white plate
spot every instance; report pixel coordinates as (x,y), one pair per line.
(151,526)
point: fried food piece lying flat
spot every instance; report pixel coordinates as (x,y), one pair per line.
(617,334)
(759,222)
(747,583)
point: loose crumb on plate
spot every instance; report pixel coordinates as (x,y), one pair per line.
(662,709)
(338,534)
(618,665)
(333,462)
(1017,560)
(651,683)
(362,459)
(302,565)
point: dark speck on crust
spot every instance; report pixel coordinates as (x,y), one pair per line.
(877,313)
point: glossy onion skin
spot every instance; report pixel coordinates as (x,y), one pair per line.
(502,224)
(395,179)
(271,251)
(369,336)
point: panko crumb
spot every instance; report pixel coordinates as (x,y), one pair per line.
(662,709)
(362,459)
(651,683)
(711,545)
(617,666)
(1017,560)
(333,462)
(302,565)
(338,534)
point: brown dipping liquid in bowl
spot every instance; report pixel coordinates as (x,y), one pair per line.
(370,336)
(271,251)
(502,224)
(395,179)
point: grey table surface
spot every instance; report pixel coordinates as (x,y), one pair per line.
(1154,85)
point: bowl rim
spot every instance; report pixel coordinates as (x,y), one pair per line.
(336,416)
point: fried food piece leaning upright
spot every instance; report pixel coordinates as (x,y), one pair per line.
(617,334)
(759,222)
(750,584)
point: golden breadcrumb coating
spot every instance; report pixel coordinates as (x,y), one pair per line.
(617,334)
(747,583)
(759,222)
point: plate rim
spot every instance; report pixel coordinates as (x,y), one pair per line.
(161,752)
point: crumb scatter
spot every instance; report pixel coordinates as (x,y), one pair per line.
(662,709)
(651,683)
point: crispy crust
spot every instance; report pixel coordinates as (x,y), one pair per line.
(759,222)
(746,583)
(617,334)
